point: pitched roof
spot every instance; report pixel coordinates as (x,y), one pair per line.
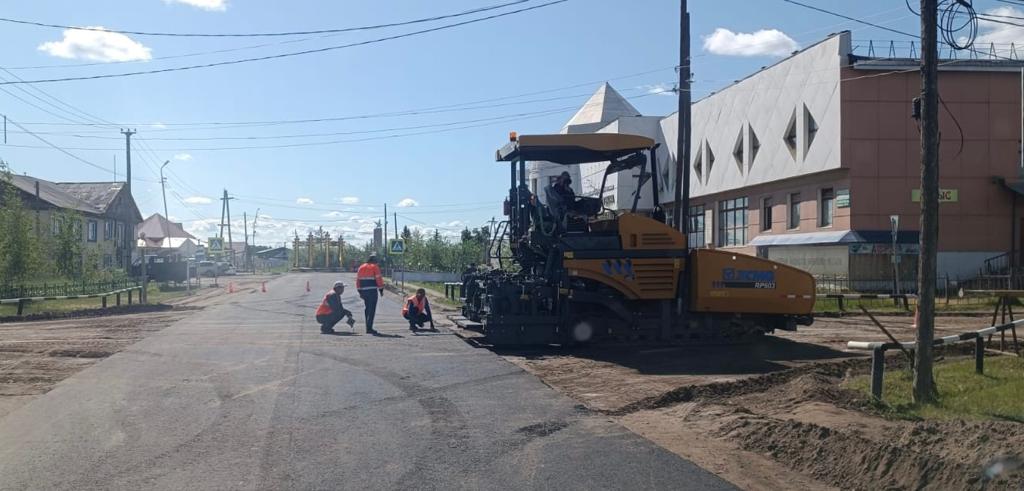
(87,197)
(157,227)
(98,194)
(605,106)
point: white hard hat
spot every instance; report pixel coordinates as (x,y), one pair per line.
(338,283)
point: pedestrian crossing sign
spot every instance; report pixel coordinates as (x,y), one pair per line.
(397,247)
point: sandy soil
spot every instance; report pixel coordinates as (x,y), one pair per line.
(773,415)
(36,355)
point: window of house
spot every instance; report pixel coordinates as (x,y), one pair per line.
(790,135)
(732,222)
(695,234)
(794,210)
(119,234)
(54,225)
(108,261)
(828,197)
(91,230)
(108,229)
(766,214)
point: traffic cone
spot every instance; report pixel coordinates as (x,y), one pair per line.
(231,287)
(263,287)
(307,286)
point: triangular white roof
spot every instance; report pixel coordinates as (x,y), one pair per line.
(605,106)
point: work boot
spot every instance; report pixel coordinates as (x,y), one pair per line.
(326,331)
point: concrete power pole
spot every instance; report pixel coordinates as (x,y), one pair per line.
(924,383)
(128,157)
(163,182)
(245,228)
(682,188)
(225,214)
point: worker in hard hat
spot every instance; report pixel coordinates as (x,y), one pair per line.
(417,311)
(370,284)
(331,311)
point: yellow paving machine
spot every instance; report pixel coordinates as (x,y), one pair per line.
(578,272)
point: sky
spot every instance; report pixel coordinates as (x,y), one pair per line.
(411,122)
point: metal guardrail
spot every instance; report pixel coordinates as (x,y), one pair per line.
(453,290)
(878,350)
(116,293)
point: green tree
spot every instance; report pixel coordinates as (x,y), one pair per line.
(67,244)
(20,258)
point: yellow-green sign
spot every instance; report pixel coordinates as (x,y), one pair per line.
(945,195)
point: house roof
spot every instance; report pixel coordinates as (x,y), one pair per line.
(605,106)
(157,227)
(87,197)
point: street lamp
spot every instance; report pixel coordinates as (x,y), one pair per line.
(162,190)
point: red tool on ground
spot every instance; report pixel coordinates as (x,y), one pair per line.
(307,286)
(263,287)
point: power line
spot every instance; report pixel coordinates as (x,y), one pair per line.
(454,107)
(267,34)
(291,54)
(854,19)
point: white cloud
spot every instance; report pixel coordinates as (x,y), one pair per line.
(96,46)
(765,42)
(158,125)
(999,33)
(212,5)
(303,201)
(350,200)
(407,203)
(663,88)
(198,200)
(333,214)
(183,156)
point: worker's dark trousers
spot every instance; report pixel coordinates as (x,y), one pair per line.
(415,318)
(327,322)
(370,301)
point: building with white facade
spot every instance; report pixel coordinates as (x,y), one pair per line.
(806,160)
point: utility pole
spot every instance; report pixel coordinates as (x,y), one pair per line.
(385,230)
(924,382)
(396,225)
(225,212)
(128,157)
(245,227)
(163,191)
(682,188)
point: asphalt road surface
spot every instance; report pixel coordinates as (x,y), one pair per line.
(250,395)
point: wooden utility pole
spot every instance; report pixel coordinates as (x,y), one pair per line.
(924,382)
(682,185)
(245,229)
(128,156)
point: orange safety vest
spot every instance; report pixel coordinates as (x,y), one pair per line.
(325,308)
(368,277)
(420,304)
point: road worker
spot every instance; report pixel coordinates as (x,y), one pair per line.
(370,284)
(417,311)
(331,311)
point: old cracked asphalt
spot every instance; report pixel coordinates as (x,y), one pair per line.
(249,395)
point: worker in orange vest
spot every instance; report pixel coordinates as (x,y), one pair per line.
(331,310)
(370,284)
(417,311)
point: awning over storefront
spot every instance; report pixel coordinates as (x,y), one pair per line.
(836,237)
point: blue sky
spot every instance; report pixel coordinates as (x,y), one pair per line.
(446,179)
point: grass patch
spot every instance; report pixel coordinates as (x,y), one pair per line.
(435,286)
(963,394)
(157,294)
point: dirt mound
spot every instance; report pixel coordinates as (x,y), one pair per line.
(809,382)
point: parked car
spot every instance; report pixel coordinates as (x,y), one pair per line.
(207,268)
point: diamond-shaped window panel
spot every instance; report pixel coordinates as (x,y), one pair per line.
(810,127)
(710,160)
(737,151)
(790,135)
(755,146)
(698,165)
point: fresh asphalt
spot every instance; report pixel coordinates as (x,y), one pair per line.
(250,395)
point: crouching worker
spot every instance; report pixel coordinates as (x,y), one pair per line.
(330,311)
(417,310)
